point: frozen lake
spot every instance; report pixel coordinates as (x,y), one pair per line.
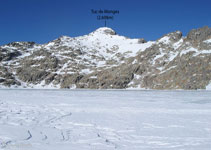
(105,120)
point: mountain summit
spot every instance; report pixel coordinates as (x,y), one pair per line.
(106,60)
(105,30)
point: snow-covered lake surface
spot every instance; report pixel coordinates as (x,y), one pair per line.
(105,120)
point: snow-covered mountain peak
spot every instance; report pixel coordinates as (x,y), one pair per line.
(104,30)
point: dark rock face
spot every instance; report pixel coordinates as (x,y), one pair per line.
(192,74)
(7,78)
(116,78)
(22,44)
(31,75)
(41,60)
(50,78)
(8,55)
(69,80)
(171,62)
(175,36)
(200,34)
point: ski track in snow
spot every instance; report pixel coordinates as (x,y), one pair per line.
(95,119)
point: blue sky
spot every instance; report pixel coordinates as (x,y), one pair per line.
(45,20)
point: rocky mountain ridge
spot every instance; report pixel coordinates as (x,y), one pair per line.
(106,60)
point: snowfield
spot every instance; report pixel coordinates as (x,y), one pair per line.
(105,120)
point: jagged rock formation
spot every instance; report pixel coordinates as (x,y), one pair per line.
(105,60)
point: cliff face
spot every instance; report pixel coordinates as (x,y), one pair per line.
(105,60)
